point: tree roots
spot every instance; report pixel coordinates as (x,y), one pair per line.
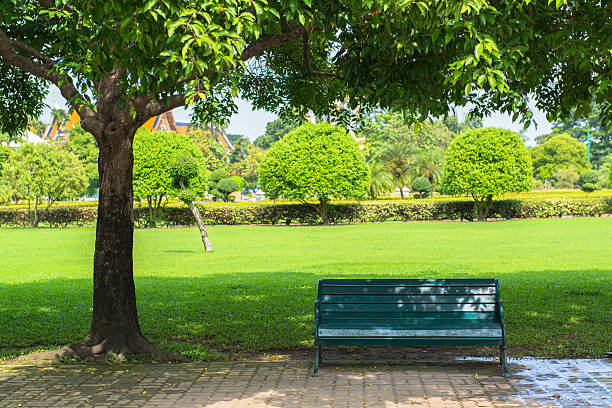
(107,351)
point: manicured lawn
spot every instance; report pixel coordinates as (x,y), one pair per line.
(255,292)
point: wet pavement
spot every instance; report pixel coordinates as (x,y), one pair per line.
(572,383)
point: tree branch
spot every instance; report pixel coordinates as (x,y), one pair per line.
(263,43)
(42,69)
(157,108)
(48,62)
(307,63)
(46,4)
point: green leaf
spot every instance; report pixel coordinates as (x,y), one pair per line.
(478,51)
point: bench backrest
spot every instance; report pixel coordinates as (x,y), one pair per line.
(386,300)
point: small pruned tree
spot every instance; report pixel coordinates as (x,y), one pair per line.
(153,154)
(315,161)
(225,187)
(485,163)
(422,186)
(184,170)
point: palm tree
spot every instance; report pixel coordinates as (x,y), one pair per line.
(381,181)
(397,158)
(60,116)
(429,164)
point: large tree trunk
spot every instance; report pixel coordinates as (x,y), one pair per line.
(114,326)
(115,319)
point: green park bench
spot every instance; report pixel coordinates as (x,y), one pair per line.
(409,312)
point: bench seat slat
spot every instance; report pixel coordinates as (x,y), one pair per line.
(412,324)
(407,307)
(409,341)
(497,333)
(456,299)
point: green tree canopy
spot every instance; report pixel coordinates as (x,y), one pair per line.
(214,154)
(422,186)
(430,164)
(275,130)
(381,180)
(389,128)
(44,172)
(320,161)
(21,97)
(225,187)
(560,152)
(485,163)
(600,136)
(154,153)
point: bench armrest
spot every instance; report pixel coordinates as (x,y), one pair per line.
(500,307)
(317,314)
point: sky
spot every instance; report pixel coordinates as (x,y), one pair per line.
(252,123)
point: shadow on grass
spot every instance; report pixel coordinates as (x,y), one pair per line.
(548,313)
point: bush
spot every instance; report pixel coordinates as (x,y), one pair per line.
(225,187)
(485,163)
(588,177)
(348,212)
(588,187)
(422,186)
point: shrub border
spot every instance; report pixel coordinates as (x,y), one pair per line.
(354,212)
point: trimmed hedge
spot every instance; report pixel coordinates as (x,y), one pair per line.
(376,211)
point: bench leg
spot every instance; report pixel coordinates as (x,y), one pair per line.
(316,362)
(503,358)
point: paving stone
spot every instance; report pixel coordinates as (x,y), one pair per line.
(274,384)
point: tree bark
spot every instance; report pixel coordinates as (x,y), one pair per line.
(203,233)
(201,226)
(483,207)
(323,207)
(115,329)
(35,220)
(151,223)
(115,320)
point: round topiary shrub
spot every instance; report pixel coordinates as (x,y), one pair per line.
(422,186)
(225,187)
(588,177)
(588,187)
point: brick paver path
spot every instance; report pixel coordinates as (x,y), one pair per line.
(256,384)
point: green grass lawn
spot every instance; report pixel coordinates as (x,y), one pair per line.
(255,292)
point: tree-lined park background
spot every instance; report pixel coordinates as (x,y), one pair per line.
(63,171)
